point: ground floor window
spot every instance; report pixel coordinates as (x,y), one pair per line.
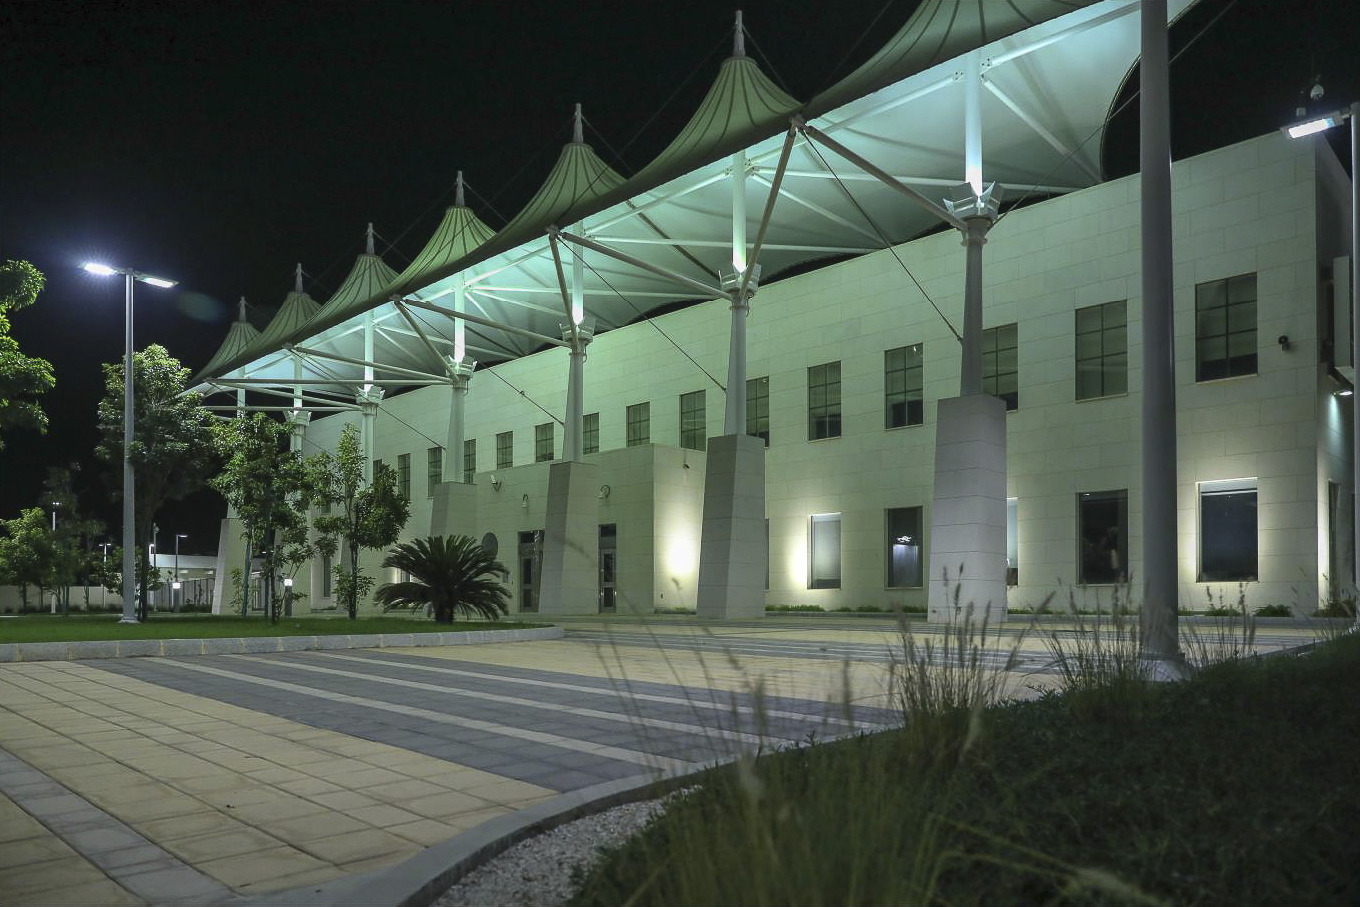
(1103,536)
(326,576)
(1227,530)
(1012,541)
(902,543)
(824,551)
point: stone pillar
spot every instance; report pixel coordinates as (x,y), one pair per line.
(571,432)
(968,520)
(732,543)
(369,401)
(570,576)
(297,429)
(453,446)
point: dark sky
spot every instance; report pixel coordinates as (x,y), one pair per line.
(220,143)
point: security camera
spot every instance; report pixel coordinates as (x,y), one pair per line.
(1283,341)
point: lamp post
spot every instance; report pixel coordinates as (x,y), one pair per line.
(1297,131)
(129,534)
(175,586)
(103,589)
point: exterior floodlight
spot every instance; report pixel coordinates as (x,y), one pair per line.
(129,536)
(1315,124)
(288,582)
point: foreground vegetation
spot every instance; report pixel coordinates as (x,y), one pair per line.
(208,626)
(1240,786)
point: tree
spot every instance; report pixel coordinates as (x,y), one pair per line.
(454,575)
(22,378)
(270,486)
(371,514)
(172,454)
(27,553)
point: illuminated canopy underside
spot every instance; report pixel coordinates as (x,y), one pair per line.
(1050,71)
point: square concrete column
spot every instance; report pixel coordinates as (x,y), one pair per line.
(570,578)
(231,552)
(453,508)
(732,541)
(968,520)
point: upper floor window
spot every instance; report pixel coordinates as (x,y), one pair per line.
(1225,328)
(903,401)
(543,442)
(469,460)
(434,468)
(639,424)
(404,476)
(590,433)
(1001,364)
(824,401)
(505,449)
(692,429)
(1102,351)
(758,408)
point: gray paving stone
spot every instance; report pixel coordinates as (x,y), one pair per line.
(334,642)
(94,648)
(182,647)
(138,858)
(398,639)
(9,652)
(101,840)
(259,644)
(225,646)
(139,647)
(170,885)
(366,640)
(297,643)
(55,804)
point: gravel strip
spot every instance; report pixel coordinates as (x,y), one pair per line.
(537,872)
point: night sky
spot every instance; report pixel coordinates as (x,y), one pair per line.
(219,144)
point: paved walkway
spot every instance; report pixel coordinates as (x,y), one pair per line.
(212,779)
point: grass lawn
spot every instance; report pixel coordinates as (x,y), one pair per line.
(1240,786)
(54,628)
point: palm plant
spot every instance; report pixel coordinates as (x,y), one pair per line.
(449,574)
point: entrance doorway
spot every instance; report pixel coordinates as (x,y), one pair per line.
(530,561)
(609,549)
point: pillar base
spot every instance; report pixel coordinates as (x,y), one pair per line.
(732,544)
(230,552)
(968,520)
(570,579)
(453,509)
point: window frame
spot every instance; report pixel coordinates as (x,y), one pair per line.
(826,414)
(694,435)
(814,580)
(404,476)
(638,424)
(1204,317)
(469,460)
(891,540)
(992,360)
(590,433)
(1107,335)
(1120,552)
(1221,488)
(912,380)
(505,450)
(544,442)
(758,408)
(434,468)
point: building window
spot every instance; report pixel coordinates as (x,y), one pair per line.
(590,433)
(902,547)
(1103,536)
(327,574)
(1012,541)
(404,476)
(469,460)
(1102,351)
(824,401)
(543,442)
(903,401)
(639,424)
(1000,364)
(377,467)
(1227,530)
(824,551)
(758,408)
(693,432)
(1225,328)
(434,468)
(505,450)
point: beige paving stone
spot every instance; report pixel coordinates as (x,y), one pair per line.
(445,804)
(103,892)
(309,787)
(281,807)
(205,821)
(461,822)
(316,826)
(386,861)
(255,868)
(161,807)
(239,796)
(425,832)
(343,800)
(30,851)
(499,789)
(360,845)
(300,880)
(384,815)
(217,845)
(404,790)
(46,876)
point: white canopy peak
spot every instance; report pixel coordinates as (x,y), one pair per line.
(578,134)
(368,245)
(739,38)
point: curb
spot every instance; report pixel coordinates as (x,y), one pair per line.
(253,645)
(418,881)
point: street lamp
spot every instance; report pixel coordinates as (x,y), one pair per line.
(129,533)
(1311,126)
(55,505)
(103,589)
(175,587)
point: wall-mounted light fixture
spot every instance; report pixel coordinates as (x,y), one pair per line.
(495,483)
(604,493)
(524,501)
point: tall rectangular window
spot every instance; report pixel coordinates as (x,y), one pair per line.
(590,433)
(1103,536)
(1227,530)
(1102,351)
(639,424)
(903,400)
(377,467)
(824,401)
(543,442)
(505,449)
(404,476)
(1001,364)
(469,460)
(902,547)
(434,468)
(758,408)
(824,551)
(1225,328)
(327,573)
(693,433)
(1012,541)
